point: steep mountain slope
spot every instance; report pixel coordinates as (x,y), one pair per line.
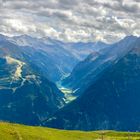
(36,57)
(49,57)
(87,71)
(26,95)
(112,102)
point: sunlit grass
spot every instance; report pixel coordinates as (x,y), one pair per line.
(21,132)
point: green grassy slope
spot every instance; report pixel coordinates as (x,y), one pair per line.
(20,132)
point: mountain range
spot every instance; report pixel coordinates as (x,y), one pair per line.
(57,58)
(111,101)
(103,79)
(90,68)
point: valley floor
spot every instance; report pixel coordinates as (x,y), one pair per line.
(10,131)
(68,93)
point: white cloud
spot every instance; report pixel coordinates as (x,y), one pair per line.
(71,20)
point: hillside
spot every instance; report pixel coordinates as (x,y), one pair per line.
(90,69)
(20,132)
(26,95)
(110,103)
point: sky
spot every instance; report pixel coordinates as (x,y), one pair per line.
(71,20)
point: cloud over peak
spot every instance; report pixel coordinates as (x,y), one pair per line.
(71,20)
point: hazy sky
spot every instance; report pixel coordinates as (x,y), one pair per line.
(71,20)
